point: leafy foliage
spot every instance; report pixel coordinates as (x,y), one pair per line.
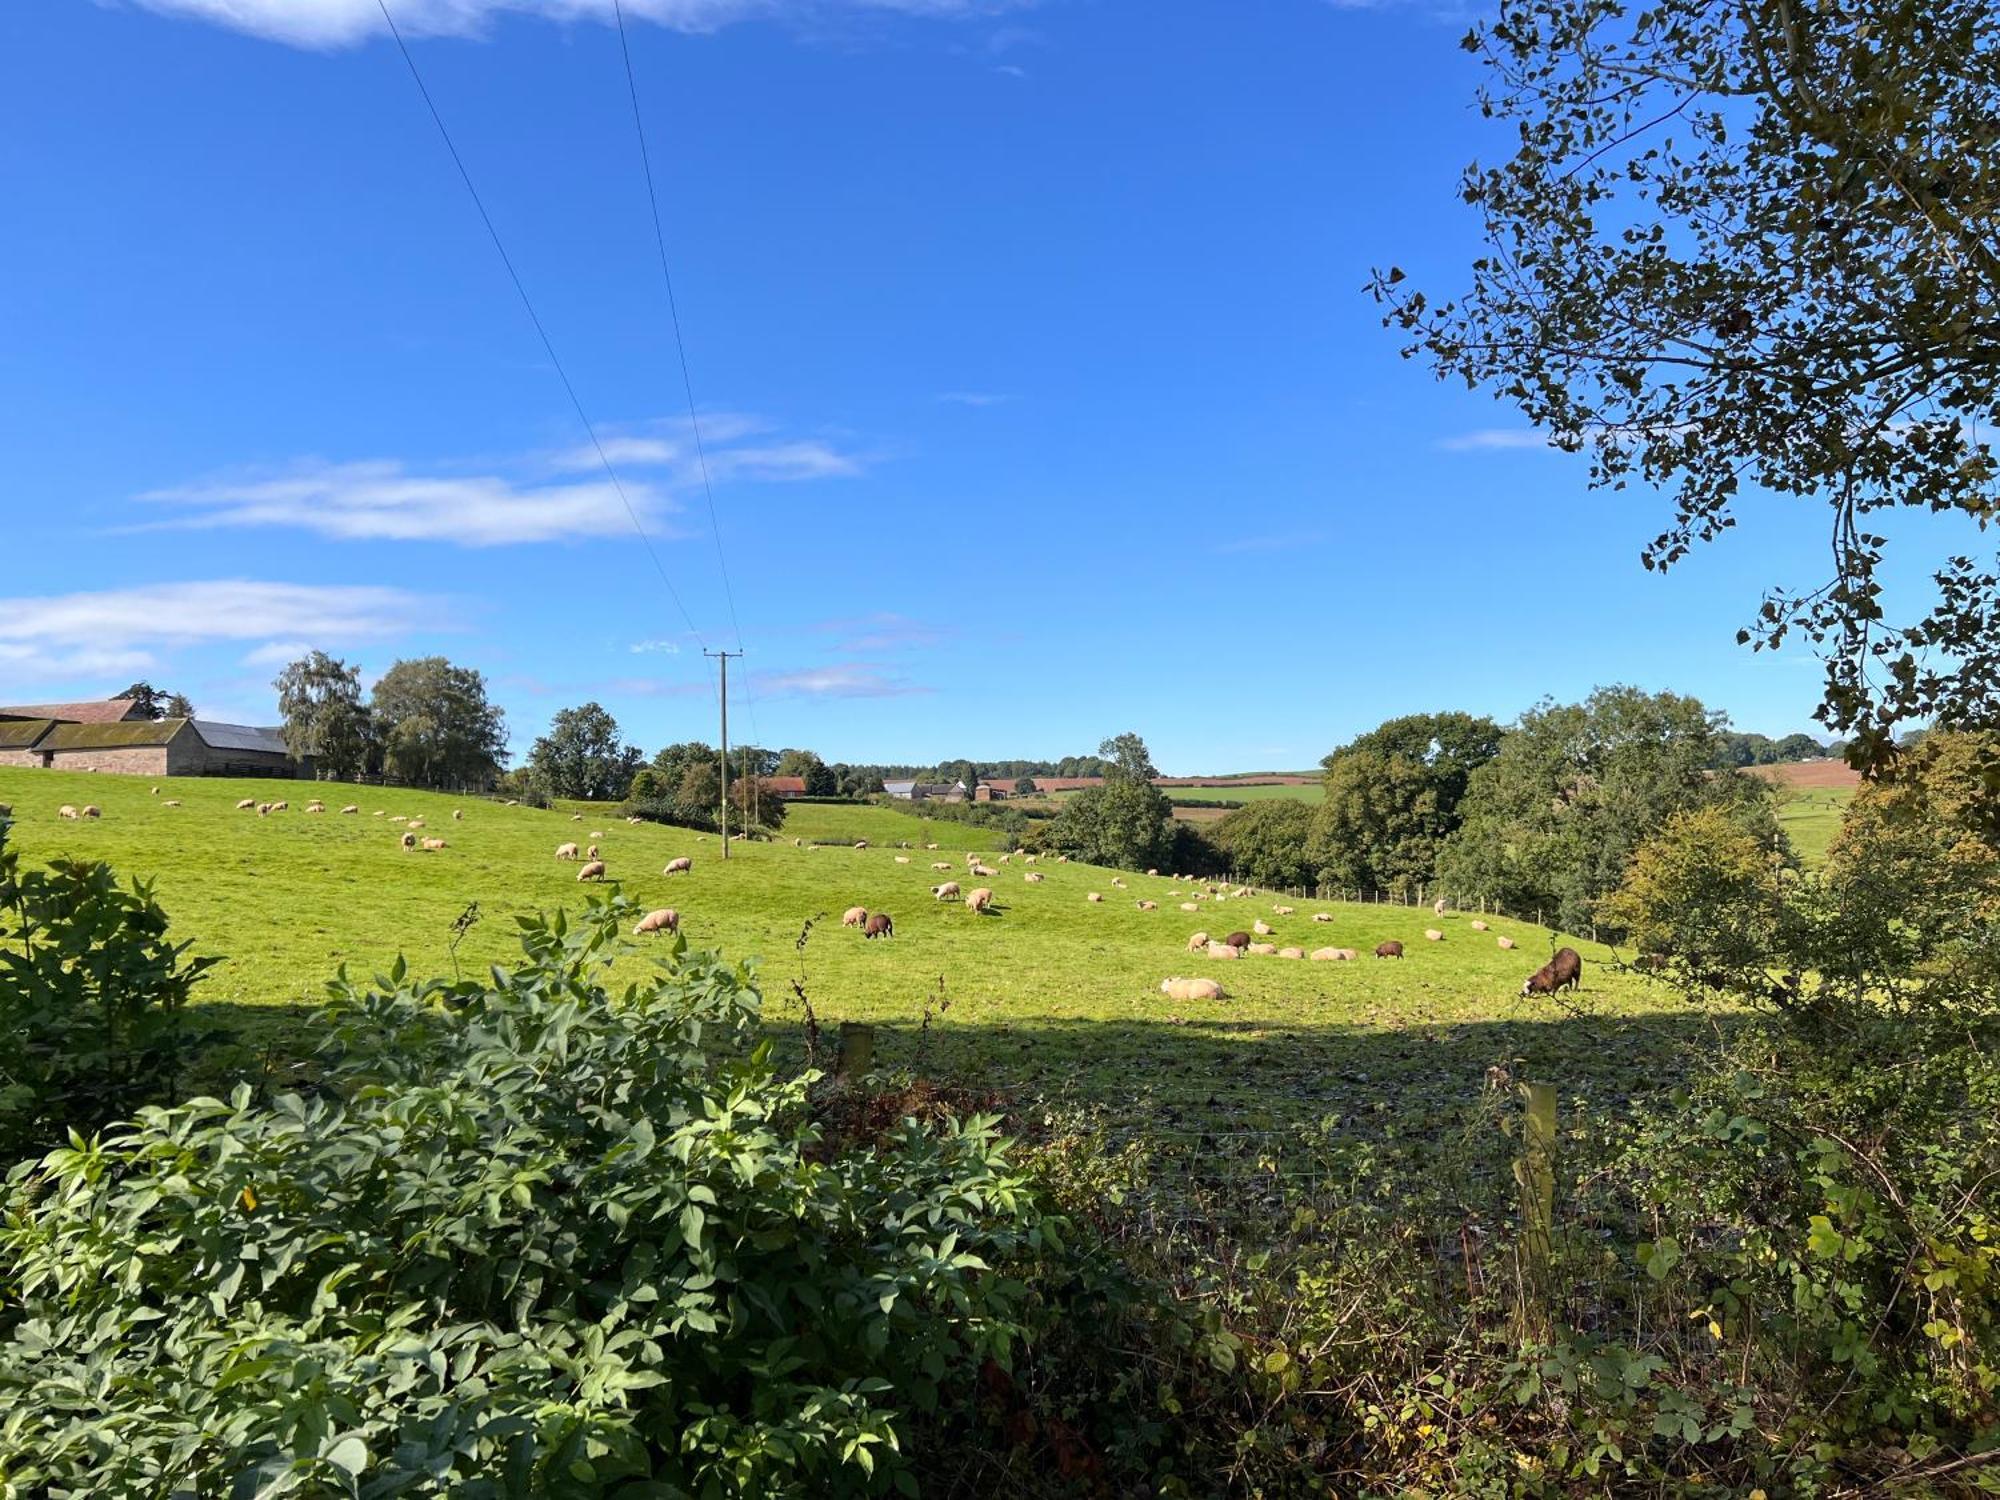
(92,999)
(1268,843)
(581,757)
(1125,822)
(436,725)
(1752,245)
(1392,799)
(325,720)
(533,1238)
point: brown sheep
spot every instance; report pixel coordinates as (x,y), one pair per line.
(434,844)
(946,891)
(567,851)
(681,866)
(1390,949)
(592,871)
(1192,989)
(409,842)
(89,810)
(1506,942)
(979,900)
(1563,972)
(666,919)
(1197,941)
(879,925)
(1432,935)
(1238,940)
(854,916)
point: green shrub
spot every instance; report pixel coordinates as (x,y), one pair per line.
(92,998)
(534,1238)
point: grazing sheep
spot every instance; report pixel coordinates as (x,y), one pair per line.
(1432,935)
(1033,877)
(1261,927)
(941,864)
(1092,896)
(681,866)
(1192,989)
(433,844)
(596,833)
(1283,911)
(1149,906)
(1190,906)
(66,811)
(1479,927)
(1563,972)
(930,846)
(1117,882)
(281,807)
(170,802)
(1221,950)
(379,812)
(567,851)
(634,822)
(666,919)
(1262,949)
(902,859)
(156,791)
(576,817)
(979,900)
(1322,916)
(246,804)
(592,871)
(985,872)
(1152,872)
(1326,955)
(1238,940)
(1390,949)
(861,843)
(395,818)
(315,806)
(263,809)
(879,925)
(854,916)
(349,810)
(1291,953)
(1197,941)
(89,810)
(408,841)
(1437,907)
(946,891)
(458,816)
(1506,942)
(591,852)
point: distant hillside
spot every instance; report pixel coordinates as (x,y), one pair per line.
(1810,775)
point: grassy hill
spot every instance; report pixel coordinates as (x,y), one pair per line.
(1054,996)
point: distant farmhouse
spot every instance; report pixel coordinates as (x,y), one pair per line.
(114,736)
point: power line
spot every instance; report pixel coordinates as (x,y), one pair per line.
(541,332)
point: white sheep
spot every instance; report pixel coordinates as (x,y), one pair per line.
(170,802)
(1197,941)
(1506,942)
(1264,949)
(414,822)
(854,916)
(684,865)
(666,919)
(567,851)
(1092,896)
(1261,927)
(979,900)
(458,815)
(246,804)
(1283,911)
(1032,877)
(349,809)
(1149,906)
(1190,906)
(433,843)
(1479,926)
(1326,955)
(1291,953)
(1221,950)
(1192,989)
(1432,935)
(66,811)
(592,871)
(1322,916)
(591,852)
(946,891)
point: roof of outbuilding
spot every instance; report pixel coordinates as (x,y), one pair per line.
(139,734)
(19,734)
(793,784)
(240,737)
(101,711)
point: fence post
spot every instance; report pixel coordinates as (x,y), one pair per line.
(857,1050)
(1535,1174)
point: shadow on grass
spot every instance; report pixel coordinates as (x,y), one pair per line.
(266,1045)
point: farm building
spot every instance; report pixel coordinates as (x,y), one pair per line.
(151,747)
(18,739)
(785,788)
(99,711)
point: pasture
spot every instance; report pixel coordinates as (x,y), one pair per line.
(1053,998)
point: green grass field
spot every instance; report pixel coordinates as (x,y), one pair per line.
(1811,817)
(1312,792)
(1054,997)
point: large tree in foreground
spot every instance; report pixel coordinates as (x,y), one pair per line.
(1392,799)
(319,697)
(436,725)
(1753,247)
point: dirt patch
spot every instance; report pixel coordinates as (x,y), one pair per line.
(1810,775)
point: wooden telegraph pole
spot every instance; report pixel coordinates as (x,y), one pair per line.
(723,657)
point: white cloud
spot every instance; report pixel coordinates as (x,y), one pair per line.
(841,680)
(882,630)
(382,500)
(1488,439)
(119,631)
(341,23)
(977,398)
(276,654)
(668,648)
(737,447)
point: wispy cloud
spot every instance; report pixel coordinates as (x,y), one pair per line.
(342,23)
(977,398)
(665,648)
(1492,439)
(382,500)
(115,631)
(736,446)
(276,654)
(841,680)
(882,630)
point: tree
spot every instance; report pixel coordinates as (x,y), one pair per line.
(820,780)
(1703,900)
(1752,245)
(436,725)
(795,762)
(1551,821)
(1392,799)
(319,698)
(1024,786)
(1270,842)
(581,756)
(1127,821)
(154,703)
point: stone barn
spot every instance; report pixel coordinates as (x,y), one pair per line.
(18,739)
(166,747)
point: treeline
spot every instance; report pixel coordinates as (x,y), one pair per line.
(1540,819)
(426,721)
(1739,750)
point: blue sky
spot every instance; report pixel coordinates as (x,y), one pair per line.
(1041,395)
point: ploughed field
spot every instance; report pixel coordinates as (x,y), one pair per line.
(1050,998)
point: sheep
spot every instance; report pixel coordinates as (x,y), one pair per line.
(684,865)
(1152,872)
(1326,955)
(434,844)
(170,802)
(1197,941)
(409,842)
(156,791)
(567,851)
(89,810)
(666,919)
(1149,906)
(592,871)
(66,811)
(1192,989)
(1262,949)
(1390,949)
(1092,896)
(414,822)
(1563,972)
(393,818)
(315,806)
(946,891)
(1479,927)
(1437,907)
(246,804)
(596,833)
(591,852)
(854,916)
(349,810)
(1291,953)
(1190,906)
(941,864)
(861,843)
(985,872)
(979,900)
(932,847)
(263,809)
(1117,882)
(281,807)
(1238,940)
(1432,935)
(576,817)
(879,925)
(1032,877)
(902,859)
(1506,942)
(458,816)
(1322,916)
(1283,911)
(380,812)
(1221,950)
(633,822)
(1261,927)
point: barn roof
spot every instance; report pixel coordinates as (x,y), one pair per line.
(140,734)
(240,737)
(101,711)
(796,785)
(19,734)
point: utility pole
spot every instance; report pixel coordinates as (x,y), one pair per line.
(723,657)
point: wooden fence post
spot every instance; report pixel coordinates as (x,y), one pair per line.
(857,1050)
(1535,1174)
